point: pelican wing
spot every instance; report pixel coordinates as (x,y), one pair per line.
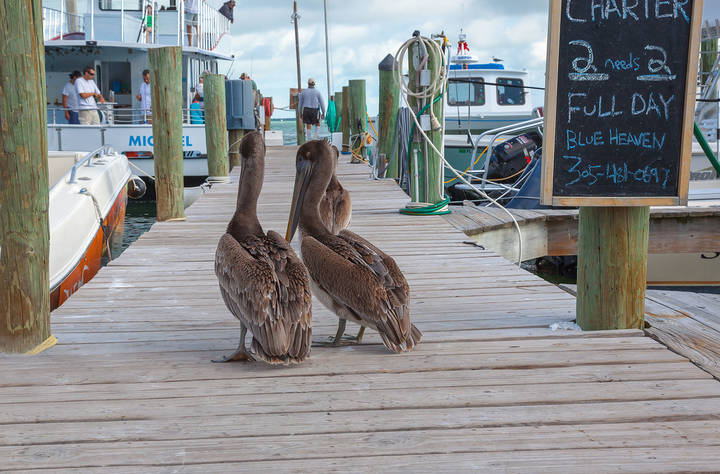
(356,276)
(263,288)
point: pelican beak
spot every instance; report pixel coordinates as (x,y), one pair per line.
(302,180)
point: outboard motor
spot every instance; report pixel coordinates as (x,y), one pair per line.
(512,156)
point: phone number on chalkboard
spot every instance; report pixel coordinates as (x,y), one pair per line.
(616,173)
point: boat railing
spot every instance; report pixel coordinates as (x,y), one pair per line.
(136,21)
(59,24)
(87,160)
(126,116)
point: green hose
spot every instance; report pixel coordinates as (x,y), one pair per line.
(706,148)
(438,209)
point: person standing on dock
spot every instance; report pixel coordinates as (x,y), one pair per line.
(88,91)
(311,103)
(144,97)
(70,99)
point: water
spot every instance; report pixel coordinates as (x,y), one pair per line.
(287,125)
(140,215)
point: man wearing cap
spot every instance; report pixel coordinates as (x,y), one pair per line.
(70,99)
(310,104)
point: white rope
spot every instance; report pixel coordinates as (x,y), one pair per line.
(440,79)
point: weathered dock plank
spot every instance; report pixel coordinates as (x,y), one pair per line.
(130,386)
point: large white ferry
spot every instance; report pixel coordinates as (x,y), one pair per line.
(112,37)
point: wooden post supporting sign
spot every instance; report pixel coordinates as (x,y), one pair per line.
(216,125)
(619,111)
(24,234)
(166,80)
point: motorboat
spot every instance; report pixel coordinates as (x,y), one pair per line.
(88,198)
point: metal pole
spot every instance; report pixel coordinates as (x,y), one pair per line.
(62,16)
(92,20)
(327,52)
(122,20)
(298,125)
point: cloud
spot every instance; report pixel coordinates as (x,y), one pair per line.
(363,32)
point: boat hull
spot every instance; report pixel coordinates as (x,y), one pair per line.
(105,239)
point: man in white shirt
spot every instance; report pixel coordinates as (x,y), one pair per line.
(70,99)
(88,90)
(144,97)
(191,18)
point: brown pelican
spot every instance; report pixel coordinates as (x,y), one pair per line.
(335,205)
(262,281)
(349,275)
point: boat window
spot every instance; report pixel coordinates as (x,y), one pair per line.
(466,91)
(510,91)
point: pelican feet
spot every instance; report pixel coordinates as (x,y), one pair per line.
(241,354)
(340,339)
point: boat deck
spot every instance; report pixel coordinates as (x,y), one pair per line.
(130,386)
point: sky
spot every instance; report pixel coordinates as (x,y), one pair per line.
(363,32)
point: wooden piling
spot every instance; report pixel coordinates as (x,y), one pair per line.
(234,137)
(216,136)
(358,117)
(430,187)
(387,115)
(166,80)
(612,267)
(345,119)
(338,111)
(24,230)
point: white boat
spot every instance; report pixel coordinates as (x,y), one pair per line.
(88,197)
(109,36)
(486,96)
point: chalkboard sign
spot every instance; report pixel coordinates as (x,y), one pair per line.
(619,101)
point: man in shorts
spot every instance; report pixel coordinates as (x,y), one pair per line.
(88,91)
(191,18)
(312,106)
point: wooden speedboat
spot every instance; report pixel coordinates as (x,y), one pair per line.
(88,198)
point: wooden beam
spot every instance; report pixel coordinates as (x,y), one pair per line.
(215,125)
(24,229)
(358,115)
(166,79)
(387,115)
(345,120)
(338,111)
(612,267)
(234,136)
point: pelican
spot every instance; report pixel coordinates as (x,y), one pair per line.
(262,281)
(348,274)
(335,205)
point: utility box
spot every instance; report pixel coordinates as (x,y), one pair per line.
(239,105)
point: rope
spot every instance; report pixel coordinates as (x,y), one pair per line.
(438,78)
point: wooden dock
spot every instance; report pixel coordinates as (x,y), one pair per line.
(130,386)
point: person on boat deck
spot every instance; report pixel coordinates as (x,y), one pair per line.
(70,99)
(196,113)
(88,91)
(191,19)
(144,97)
(148,23)
(227,10)
(310,104)
(199,90)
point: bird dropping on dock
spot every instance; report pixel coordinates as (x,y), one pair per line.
(262,281)
(348,274)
